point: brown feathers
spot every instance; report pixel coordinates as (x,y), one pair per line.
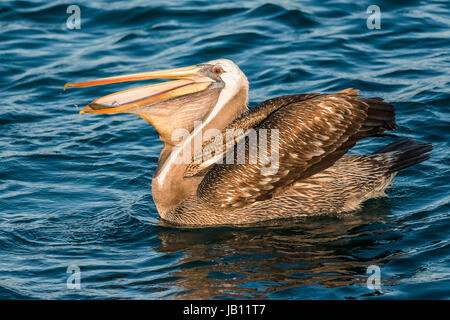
(313,134)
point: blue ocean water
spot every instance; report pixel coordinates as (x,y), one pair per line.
(75,190)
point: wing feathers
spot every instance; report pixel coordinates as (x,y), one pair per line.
(214,149)
(313,134)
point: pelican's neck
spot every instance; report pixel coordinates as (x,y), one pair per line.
(169,186)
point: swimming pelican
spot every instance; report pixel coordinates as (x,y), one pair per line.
(307,135)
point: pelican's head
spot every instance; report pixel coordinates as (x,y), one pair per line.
(214,92)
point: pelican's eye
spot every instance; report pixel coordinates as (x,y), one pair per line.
(217,69)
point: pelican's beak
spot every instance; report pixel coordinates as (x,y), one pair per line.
(190,80)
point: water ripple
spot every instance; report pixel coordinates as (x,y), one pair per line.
(75,190)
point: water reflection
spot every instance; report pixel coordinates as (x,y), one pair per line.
(267,261)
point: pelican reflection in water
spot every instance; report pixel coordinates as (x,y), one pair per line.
(307,134)
(304,257)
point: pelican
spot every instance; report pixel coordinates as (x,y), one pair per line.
(200,180)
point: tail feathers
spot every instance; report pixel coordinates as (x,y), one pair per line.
(380,117)
(405,153)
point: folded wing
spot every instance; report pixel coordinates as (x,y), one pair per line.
(312,132)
